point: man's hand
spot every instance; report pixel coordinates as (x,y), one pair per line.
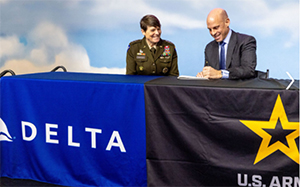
(200,74)
(210,73)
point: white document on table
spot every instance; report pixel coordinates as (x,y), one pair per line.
(186,77)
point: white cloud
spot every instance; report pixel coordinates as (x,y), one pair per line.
(109,70)
(268,19)
(115,13)
(120,14)
(283,17)
(39,55)
(171,21)
(49,35)
(3,1)
(10,46)
(22,67)
(27,67)
(49,42)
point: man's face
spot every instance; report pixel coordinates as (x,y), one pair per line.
(218,28)
(152,35)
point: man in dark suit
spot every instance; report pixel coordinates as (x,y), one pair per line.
(231,55)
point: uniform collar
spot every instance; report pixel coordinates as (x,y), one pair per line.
(155,46)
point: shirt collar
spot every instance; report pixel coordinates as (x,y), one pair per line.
(149,45)
(226,40)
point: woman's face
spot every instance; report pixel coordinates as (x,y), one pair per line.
(152,35)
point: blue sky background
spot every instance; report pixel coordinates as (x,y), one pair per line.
(93,36)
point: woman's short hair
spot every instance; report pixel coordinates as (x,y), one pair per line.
(149,20)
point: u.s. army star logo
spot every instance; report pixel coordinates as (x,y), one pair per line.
(278,121)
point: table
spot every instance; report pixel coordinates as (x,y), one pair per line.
(222,133)
(79,129)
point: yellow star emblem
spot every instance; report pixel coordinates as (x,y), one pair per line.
(278,116)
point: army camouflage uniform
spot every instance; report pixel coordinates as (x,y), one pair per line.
(139,60)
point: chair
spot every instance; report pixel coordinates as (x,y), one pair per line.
(62,67)
(261,74)
(7,71)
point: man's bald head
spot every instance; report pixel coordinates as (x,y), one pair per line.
(218,24)
(217,13)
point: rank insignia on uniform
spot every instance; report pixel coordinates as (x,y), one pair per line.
(141,68)
(165,70)
(141,52)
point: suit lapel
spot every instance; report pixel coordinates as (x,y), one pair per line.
(215,56)
(230,49)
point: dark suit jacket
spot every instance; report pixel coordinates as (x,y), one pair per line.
(240,59)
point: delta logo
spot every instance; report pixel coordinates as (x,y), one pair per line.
(278,134)
(4,134)
(51,132)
